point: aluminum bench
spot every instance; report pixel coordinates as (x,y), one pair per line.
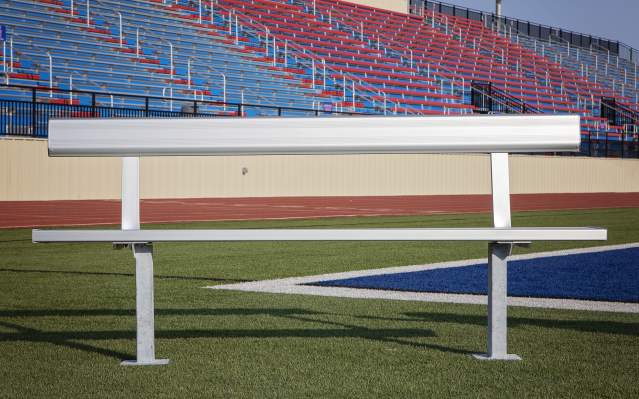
(497,135)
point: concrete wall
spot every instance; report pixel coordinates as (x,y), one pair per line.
(27,173)
(393,5)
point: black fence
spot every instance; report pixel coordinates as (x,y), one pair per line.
(628,120)
(25,110)
(618,114)
(603,145)
(536,30)
(488,99)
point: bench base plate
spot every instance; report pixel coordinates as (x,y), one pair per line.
(156,362)
(485,356)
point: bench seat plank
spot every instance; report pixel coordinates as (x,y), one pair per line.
(407,234)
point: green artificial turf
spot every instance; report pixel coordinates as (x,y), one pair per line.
(67,319)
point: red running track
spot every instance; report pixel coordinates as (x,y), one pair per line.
(15,214)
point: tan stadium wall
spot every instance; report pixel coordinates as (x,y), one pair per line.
(392,5)
(27,173)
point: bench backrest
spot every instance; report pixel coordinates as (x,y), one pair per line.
(339,135)
(132,138)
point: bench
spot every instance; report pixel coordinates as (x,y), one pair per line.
(497,135)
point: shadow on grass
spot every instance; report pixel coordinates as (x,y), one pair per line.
(16,240)
(591,326)
(328,328)
(70,339)
(111,274)
(158,312)
(66,340)
(338,330)
(387,338)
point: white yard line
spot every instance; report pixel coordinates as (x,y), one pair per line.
(295,285)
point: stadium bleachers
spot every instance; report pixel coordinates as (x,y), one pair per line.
(465,50)
(92,56)
(311,54)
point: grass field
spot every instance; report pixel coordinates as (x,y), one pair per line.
(67,318)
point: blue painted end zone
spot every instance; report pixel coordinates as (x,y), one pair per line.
(602,276)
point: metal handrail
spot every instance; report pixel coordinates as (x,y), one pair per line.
(598,75)
(150,35)
(400,55)
(476,44)
(506,35)
(254,24)
(525,106)
(627,112)
(562,41)
(304,54)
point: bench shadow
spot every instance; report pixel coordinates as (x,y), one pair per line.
(17,240)
(111,274)
(27,334)
(330,329)
(590,326)
(158,312)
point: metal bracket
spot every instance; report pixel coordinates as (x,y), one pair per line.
(512,244)
(129,244)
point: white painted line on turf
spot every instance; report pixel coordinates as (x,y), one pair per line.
(295,285)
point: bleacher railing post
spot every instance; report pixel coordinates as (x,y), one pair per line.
(33,111)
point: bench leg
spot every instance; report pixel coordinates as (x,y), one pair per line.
(144,308)
(497,307)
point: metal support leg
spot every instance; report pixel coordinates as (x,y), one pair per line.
(497,308)
(144,308)
(497,263)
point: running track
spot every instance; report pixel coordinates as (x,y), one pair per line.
(92,212)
